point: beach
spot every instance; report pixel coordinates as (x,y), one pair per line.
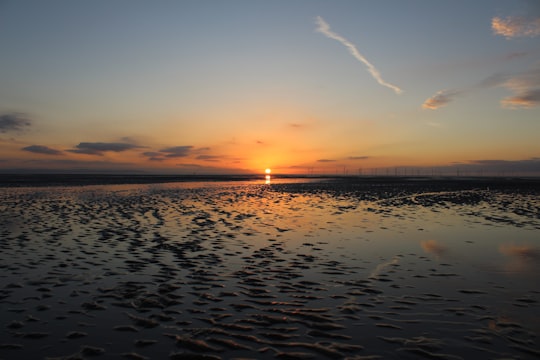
(294,269)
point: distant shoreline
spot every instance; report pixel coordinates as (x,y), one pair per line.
(45,180)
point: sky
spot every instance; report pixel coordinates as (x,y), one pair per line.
(298,86)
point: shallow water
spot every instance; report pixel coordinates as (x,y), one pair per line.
(286,270)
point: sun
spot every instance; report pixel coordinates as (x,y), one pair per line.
(268,170)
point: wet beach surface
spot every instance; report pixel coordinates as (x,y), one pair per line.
(291,270)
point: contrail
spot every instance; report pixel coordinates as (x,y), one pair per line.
(324,28)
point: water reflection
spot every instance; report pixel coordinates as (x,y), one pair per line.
(305,244)
(521,258)
(434,248)
(525,252)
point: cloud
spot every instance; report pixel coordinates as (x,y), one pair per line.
(326,160)
(41,149)
(154,155)
(324,28)
(434,124)
(72,166)
(170,152)
(526,99)
(526,88)
(13,122)
(493,80)
(516,26)
(516,55)
(524,85)
(526,167)
(358,157)
(520,163)
(176,151)
(441,98)
(209,157)
(195,166)
(98,148)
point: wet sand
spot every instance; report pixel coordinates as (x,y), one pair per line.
(294,270)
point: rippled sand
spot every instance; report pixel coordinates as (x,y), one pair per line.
(287,271)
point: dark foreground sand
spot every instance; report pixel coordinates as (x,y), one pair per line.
(345,269)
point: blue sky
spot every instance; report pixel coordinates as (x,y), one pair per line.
(245,85)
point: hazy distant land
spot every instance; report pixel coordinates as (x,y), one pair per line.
(29,180)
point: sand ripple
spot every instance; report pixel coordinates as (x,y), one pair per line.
(292,271)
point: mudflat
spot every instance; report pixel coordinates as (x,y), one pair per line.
(295,269)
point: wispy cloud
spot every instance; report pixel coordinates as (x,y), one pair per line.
(497,166)
(13,122)
(41,149)
(324,28)
(154,155)
(527,99)
(189,166)
(516,55)
(516,26)
(170,152)
(526,165)
(524,85)
(326,160)
(64,165)
(441,98)
(526,88)
(434,124)
(358,157)
(99,148)
(176,151)
(212,158)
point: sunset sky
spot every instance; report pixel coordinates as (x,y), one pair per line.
(298,86)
